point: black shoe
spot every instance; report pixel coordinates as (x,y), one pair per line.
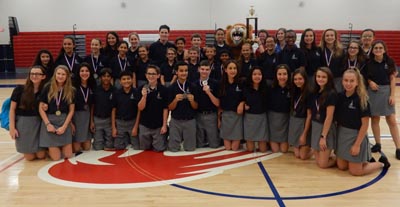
(376,148)
(398,154)
(383,159)
(372,160)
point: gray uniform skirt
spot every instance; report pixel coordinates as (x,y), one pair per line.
(81,120)
(379,101)
(296,128)
(29,131)
(255,127)
(278,126)
(231,126)
(316,135)
(48,139)
(338,84)
(346,139)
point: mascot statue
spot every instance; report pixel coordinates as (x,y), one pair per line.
(236,35)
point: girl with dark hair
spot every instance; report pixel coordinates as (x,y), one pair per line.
(24,116)
(311,51)
(110,50)
(96,60)
(68,56)
(45,59)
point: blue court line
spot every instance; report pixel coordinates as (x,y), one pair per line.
(271,185)
(8,86)
(373,181)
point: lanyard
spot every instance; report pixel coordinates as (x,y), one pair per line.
(120,64)
(328,61)
(70,65)
(58,99)
(85,97)
(182,87)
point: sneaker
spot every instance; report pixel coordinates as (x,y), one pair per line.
(383,159)
(398,154)
(376,148)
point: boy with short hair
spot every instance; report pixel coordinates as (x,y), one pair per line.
(183,105)
(208,103)
(100,123)
(196,42)
(193,64)
(124,112)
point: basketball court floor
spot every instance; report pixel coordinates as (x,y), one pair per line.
(205,177)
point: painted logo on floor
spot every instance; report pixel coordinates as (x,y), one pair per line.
(136,169)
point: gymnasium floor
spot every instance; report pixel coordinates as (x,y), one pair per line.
(203,178)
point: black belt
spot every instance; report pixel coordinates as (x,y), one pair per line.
(207,112)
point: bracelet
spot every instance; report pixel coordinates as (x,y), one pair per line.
(47,123)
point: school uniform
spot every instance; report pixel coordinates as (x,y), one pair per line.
(133,55)
(27,123)
(245,67)
(97,63)
(313,61)
(141,68)
(348,114)
(231,122)
(109,52)
(293,57)
(221,48)
(168,71)
(335,64)
(183,123)
(158,50)
(126,112)
(50,139)
(380,73)
(118,65)
(102,107)
(151,119)
(278,113)
(255,118)
(193,71)
(216,70)
(81,118)
(206,118)
(298,119)
(181,56)
(361,65)
(72,62)
(268,62)
(318,117)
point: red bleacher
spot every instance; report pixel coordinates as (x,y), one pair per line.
(27,44)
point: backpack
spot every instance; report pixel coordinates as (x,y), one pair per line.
(4,116)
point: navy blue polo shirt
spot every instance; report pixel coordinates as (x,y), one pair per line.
(70,61)
(313,60)
(97,63)
(193,71)
(126,104)
(134,56)
(268,63)
(183,110)
(380,72)
(216,70)
(278,99)
(336,64)
(245,67)
(293,57)
(16,97)
(80,99)
(141,68)
(102,100)
(158,50)
(52,104)
(219,49)
(348,111)
(233,96)
(299,104)
(167,71)
(256,99)
(203,100)
(156,101)
(314,102)
(126,64)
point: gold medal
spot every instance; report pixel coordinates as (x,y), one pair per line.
(58,113)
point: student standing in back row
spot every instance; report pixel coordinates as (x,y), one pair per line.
(96,60)
(68,56)
(158,49)
(45,59)
(24,116)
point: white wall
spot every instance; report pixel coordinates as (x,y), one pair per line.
(60,15)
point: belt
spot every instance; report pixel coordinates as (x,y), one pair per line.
(207,112)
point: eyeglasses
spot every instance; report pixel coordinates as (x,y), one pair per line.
(151,74)
(36,74)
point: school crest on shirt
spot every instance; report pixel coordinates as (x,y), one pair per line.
(136,169)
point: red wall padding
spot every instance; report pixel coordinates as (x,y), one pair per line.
(27,44)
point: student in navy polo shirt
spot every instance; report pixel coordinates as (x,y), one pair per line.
(323,130)
(196,42)
(141,66)
(121,63)
(168,75)
(311,51)
(352,115)
(182,104)
(291,55)
(367,38)
(219,43)
(268,60)
(133,52)
(215,66)
(96,60)
(45,59)
(158,49)
(230,114)
(153,107)
(246,60)
(110,50)
(68,57)
(123,116)
(193,64)
(208,103)
(181,53)
(100,123)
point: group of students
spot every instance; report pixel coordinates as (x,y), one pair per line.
(314,99)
